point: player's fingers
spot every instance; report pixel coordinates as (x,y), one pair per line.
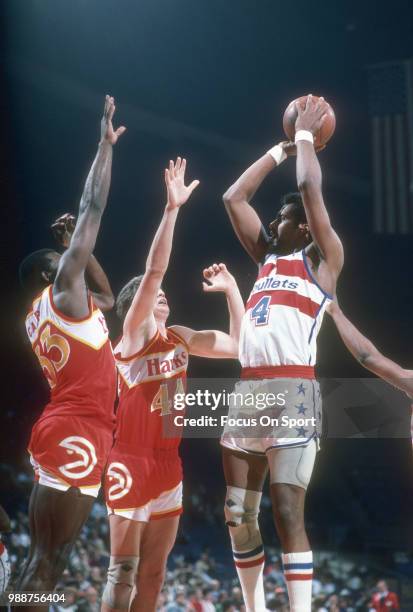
(207,287)
(309,101)
(177,166)
(206,273)
(171,169)
(105,108)
(167,177)
(215,267)
(193,186)
(120,130)
(222,267)
(112,109)
(183,167)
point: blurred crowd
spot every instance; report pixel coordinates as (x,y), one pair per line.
(198,583)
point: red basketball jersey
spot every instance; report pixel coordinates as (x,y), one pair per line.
(149,381)
(77,360)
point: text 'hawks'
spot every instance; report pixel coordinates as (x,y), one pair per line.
(156,366)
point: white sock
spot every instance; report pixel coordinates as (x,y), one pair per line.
(298,572)
(250,568)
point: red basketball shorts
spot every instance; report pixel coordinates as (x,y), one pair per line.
(70,452)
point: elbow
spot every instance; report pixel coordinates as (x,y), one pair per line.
(231,197)
(364,359)
(106,302)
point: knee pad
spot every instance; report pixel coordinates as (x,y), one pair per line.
(241,515)
(121,579)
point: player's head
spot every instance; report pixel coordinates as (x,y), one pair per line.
(289,230)
(382,586)
(38,270)
(127,293)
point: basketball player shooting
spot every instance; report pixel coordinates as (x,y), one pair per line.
(70,442)
(300,258)
(143,483)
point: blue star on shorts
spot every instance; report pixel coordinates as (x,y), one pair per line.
(301,431)
(300,389)
(301,408)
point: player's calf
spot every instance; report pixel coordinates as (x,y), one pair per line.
(149,584)
(241,515)
(120,581)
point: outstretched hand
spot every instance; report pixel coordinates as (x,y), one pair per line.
(107,132)
(63,229)
(311,116)
(178,192)
(218,278)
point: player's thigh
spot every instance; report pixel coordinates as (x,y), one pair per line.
(244,470)
(157,542)
(290,474)
(293,466)
(125,536)
(58,516)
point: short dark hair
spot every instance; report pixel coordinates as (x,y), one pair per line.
(126,295)
(294,198)
(31,268)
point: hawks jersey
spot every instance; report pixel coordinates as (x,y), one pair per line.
(76,358)
(283,314)
(149,380)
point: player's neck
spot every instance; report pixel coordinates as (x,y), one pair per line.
(161,324)
(280,250)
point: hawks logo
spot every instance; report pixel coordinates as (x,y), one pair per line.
(86,452)
(120,473)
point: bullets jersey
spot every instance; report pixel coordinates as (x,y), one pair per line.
(283,314)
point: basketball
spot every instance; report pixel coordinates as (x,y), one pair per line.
(323,135)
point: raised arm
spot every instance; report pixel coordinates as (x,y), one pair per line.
(244,219)
(69,288)
(368,355)
(96,279)
(309,184)
(214,343)
(139,324)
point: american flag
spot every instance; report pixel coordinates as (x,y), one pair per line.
(391,112)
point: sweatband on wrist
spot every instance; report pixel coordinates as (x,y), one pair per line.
(278,154)
(304,135)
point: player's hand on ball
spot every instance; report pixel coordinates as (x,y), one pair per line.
(178,192)
(311,116)
(63,228)
(218,278)
(107,132)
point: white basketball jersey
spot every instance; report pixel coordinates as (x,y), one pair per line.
(283,314)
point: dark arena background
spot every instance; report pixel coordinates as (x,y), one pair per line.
(209,80)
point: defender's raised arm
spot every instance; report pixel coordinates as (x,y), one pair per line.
(141,309)
(69,289)
(215,343)
(96,279)
(368,355)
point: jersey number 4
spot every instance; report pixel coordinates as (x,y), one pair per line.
(261,311)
